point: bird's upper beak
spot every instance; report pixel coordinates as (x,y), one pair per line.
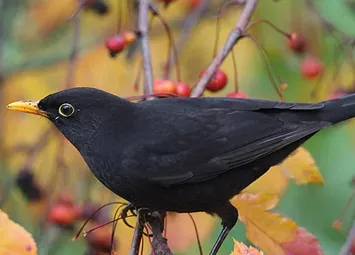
(28,106)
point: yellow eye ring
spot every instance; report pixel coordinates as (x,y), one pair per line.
(66,110)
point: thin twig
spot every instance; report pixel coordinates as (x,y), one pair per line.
(190,22)
(2,39)
(237,33)
(74,52)
(143,27)
(346,247)
(138,233)
(69,82)
(172,45)
(196,233)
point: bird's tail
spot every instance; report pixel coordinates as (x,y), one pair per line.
(338,109)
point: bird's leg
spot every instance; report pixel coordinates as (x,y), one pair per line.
(229,216)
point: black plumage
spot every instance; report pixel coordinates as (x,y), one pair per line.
(186,154)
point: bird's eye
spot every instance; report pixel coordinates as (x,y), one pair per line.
(66,110)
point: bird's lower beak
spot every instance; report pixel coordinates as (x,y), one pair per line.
(28,106)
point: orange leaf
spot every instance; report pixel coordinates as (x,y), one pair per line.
(305,243)
(241,249)
(15,240)
(181,233)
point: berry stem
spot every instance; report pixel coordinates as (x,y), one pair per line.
(252,24)
(138,77)
(267,66)
(119,19)
(235,71)
(172,44)
(92,215)
(196,233)
(190,22)
(338,52)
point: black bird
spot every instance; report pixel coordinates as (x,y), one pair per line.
(183,154)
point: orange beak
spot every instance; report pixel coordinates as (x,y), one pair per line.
(28,106)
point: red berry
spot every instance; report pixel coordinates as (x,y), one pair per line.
(352,247)
(129,37)
(100,239)
(115,44)
(218,81)
(237,94)
(311,67)
(192,4)
(62,214)
(164,86)
(297,43)
(182,89)
(336,94)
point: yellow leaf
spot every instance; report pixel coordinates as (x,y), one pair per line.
(265,229)
(248,201)
(301,167)
(15,240)
(273,181)
(241,249)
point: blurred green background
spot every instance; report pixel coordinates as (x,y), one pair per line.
(35,47)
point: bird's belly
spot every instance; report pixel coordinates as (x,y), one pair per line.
(194,197)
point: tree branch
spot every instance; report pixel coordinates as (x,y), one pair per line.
(143,27)
(2,39)
(233,38)
(138,233)
(346,247)
(70,79)
(159,243)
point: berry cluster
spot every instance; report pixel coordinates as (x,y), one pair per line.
(115,44)
(171,87)
(311,67)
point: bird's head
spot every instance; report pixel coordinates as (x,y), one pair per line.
(76,112)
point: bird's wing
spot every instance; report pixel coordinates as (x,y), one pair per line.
(205,142)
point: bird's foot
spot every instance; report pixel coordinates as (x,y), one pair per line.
(130,207)
(134,210)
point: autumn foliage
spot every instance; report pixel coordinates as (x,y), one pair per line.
(302,206)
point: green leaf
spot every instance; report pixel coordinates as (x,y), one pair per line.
(338,13)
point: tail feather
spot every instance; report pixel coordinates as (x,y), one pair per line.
(338,109)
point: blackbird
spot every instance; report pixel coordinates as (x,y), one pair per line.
(184,154)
